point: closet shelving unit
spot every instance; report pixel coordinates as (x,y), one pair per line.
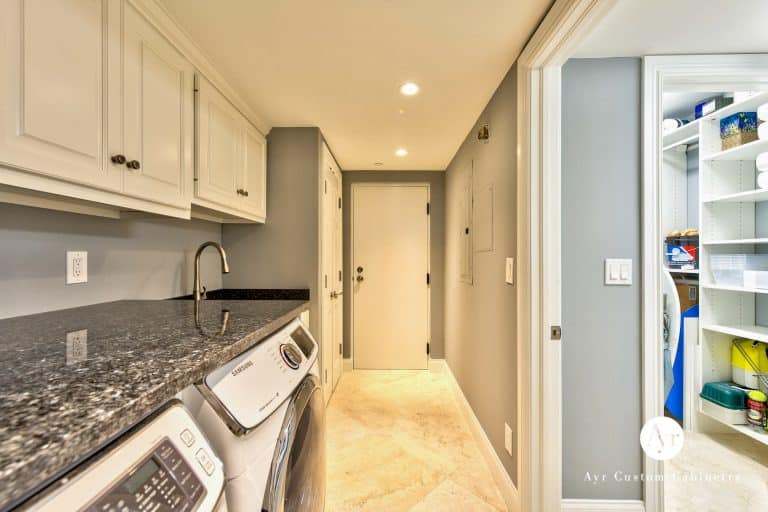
(727,206)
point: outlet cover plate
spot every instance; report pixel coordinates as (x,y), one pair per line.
(77,346)
(77,267)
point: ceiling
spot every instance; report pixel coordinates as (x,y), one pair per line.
(338,65)
(636,28)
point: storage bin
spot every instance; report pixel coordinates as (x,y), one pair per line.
(728,269)
(728,416)
(725,401)
(738,129)
(682,252)
(725,394)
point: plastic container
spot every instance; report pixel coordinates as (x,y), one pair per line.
(756,401)
(728,416)
(742,371)
(682,252)
(728,269)
(725,394)
(756,279)
(725,401)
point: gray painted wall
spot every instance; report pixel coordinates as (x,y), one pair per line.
(436,180)
(601,324)
(283,253)
(127,259)
(480,318)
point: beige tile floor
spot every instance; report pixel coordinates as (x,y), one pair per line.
(742,462)
(397,441)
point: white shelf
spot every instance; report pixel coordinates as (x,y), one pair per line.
(749,332)
(683,135)
(693,271)
(747,105)
(742,241)
(734,288)
(748,151)
(758,435)
(750,196)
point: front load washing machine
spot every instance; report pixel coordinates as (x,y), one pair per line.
(164,464)
(264,414)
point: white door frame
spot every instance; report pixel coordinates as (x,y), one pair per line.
(680,72)
(352,189)
(539,452)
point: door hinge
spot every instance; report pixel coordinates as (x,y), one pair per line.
(326,376)
(556,332)
(427,278)
(325,186)
(427,208)
(427,348)
(326,280)
(339,275)
(339,203)
(340,351)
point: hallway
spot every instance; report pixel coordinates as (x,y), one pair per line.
(397,441)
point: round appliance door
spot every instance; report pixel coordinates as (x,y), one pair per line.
(297,477)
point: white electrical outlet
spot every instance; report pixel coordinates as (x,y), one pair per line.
(77,346)
(510,271)
(508,438)
(77,267)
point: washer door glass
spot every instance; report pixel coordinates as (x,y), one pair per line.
(305,474)
(297,478)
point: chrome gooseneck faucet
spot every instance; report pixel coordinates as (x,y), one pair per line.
(224,266)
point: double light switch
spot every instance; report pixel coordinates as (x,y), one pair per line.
(618,271)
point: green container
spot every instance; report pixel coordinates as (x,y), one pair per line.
(725,394)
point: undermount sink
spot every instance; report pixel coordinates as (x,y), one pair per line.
(252,294)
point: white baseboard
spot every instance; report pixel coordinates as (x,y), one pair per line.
(603,506)
(499,473)
(347,366)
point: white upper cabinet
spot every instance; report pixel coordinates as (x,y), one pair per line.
(97,113)
(151,112)
(231,159)
(52,91)
(254,185)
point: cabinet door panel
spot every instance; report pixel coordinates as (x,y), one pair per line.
(52,90)
(219,146)
(158,116)
(255,173)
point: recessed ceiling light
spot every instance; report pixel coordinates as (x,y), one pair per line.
(409,88)
(401,152)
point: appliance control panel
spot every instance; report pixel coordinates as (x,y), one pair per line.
(254,384)
(162,481)
(164,465)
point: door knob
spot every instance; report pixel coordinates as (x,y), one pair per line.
(133,164)
(360,278)
(336,295)
(118,159)
(359,270)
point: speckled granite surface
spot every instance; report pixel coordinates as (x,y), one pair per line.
(60,401)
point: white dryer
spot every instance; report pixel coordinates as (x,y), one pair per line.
(265,416)
(164,464)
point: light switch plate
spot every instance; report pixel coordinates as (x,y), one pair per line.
(510,271)
(508,438)
(618,272)
(77,267)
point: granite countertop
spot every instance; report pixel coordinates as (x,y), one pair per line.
(61,400)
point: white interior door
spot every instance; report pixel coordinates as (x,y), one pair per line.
(332,284)
(390,266)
